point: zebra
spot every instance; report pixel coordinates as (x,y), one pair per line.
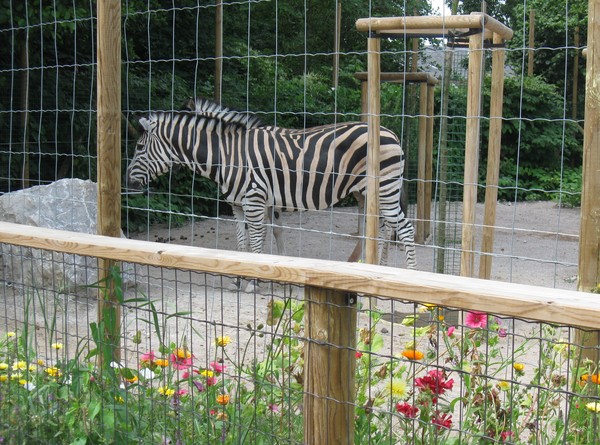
(262,169)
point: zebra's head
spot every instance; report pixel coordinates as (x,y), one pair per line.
(153,155)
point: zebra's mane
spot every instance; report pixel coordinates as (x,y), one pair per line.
(212,110)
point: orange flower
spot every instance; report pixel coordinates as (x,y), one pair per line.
(413,354)
(223,399)
(594,378)
(162,362)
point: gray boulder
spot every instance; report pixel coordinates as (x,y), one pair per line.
(68,204)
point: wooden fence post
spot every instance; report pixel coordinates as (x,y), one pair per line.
(329,367)
(109,155)
(589,238)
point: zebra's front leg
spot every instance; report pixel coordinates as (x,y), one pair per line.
(255,214)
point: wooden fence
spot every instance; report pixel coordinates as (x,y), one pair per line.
(331,289)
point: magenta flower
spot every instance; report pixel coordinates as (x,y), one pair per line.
(181,358)
(476,320)
(502,333)
(506,435)
(219,368)
(407,410)
(211,381)
(451,330)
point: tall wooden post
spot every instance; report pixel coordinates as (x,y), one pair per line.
(531,42)
(109,153)
(218,50)
(372,208)
(493,162)
(336,42)
(575,73)
(471,153)
(329,369)
(429,157)
(421,165)
(589,237)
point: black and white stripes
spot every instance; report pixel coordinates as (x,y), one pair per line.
(260,167)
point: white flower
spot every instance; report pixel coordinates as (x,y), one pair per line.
(116,365)
(147,374)
(29,386)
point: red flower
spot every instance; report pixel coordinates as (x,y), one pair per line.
(442,420)
(476,320)
(358,354)
(435,382)
(407,410)
(506,435)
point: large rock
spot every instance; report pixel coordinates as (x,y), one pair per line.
(68,204)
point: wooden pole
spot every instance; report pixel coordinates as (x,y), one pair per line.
(329,369)
(25,106)
(493,162)
(471,153)
(336,43)
(429,158)
(372,207)
(421,165)
(218,50)
(589,235)
(109,155)
(575,74)
(531,42)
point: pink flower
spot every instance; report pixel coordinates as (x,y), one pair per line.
(502,333)
(358,354)
(451,330)
(476,320)
(185,375)
(181,359)
(182,392)
(218,367)
(435,382)
(506,435)
(274,408)
(147,358)
(407,410)
(442,420)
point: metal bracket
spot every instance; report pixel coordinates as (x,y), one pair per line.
(351,299)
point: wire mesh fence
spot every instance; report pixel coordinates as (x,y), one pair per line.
(203,362)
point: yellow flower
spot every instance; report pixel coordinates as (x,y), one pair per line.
(440,317)
(593,406)
(182,353)
(32,367)
(132,379)
(413,354)
(16,376)
(166,391)
(398,388)
(57,345)
(223,341)
(40,362)
(223,399)
(3,378)
(22,382)
(519,367)
(119,399)
(162,362)
(504,385)
(3,366)
(53,371)
(10,334)
(19,366)
(207,373)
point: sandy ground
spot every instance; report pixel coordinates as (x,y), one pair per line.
(536,243)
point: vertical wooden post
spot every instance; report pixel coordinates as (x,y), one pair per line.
(372,208)
(493,162)
(24,62)
(575,73)
(421,164)
(589,237)
(336,42)
(429,158)
(329,369)
(471,153)
(218,49)
(109,151)
(531,42)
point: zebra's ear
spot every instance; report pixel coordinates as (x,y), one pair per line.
(145,123)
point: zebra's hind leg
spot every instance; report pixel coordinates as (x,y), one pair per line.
(406,235)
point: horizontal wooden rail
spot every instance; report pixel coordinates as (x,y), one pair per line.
(394,77)
(536,303)
(440,25)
